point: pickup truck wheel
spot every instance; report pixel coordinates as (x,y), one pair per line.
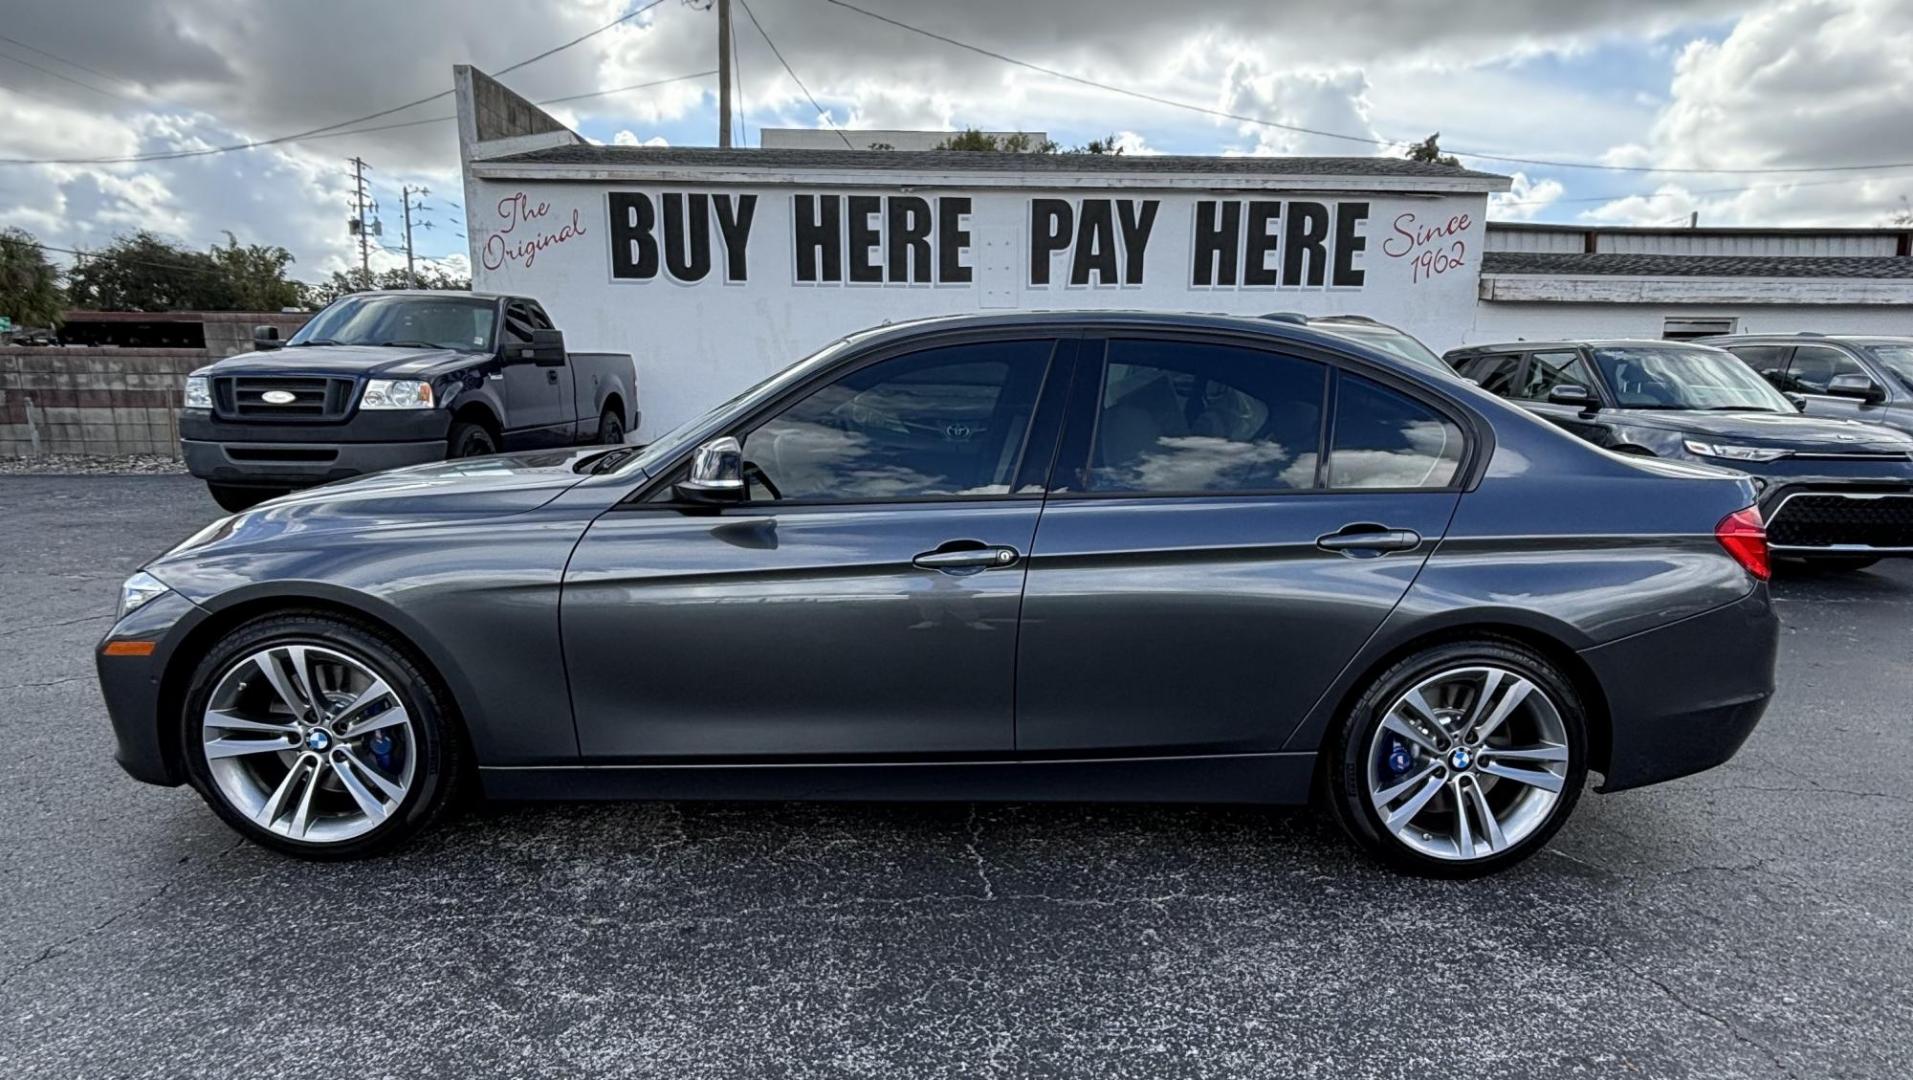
(610,428)
(234,499)
(467,439)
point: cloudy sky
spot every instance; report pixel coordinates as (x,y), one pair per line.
(1669,95)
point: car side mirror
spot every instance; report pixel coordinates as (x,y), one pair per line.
(547,349)
(717,473)
(266,337)
(1856,386)
(1799,401)
(1573,394)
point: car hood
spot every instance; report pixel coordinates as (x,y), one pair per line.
(1790,430)
(339,360)
(424,495)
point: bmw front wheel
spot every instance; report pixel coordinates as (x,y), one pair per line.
(318,736)
(1461,759)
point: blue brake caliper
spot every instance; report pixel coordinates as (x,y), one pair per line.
(1399,759)
(380,743)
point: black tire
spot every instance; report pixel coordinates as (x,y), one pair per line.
(234,499)
(467,439)
(1345,761)
(440,762)
(610,428)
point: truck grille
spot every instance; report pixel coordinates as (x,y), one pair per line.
(243,397)
(1820,519)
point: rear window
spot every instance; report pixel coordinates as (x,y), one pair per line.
(1385,439)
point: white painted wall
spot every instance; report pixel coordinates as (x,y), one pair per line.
(1498,322)
(698,343)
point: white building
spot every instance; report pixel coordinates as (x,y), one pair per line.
(716,267)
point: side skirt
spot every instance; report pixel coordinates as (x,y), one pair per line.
(1282,778)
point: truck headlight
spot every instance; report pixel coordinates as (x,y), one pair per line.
(1732,452)
(199,392)
(137,590)
(396,394)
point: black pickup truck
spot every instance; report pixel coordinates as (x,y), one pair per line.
(385,379)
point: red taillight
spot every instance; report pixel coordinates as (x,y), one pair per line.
(1744,536)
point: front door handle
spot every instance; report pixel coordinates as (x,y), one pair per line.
(1364,538)
(969,558)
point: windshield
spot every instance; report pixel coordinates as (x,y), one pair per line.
(1677,377)
(1897,359)
(1389,340)
(433,322)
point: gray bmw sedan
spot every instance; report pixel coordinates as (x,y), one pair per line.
(1085,556)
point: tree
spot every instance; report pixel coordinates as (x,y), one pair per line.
(144,272)
(343,283)
(1429,151)
(29,285)
(1020,143)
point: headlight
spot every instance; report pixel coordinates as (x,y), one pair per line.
(137,590)
(396,394)
(199,392)
(1734,453)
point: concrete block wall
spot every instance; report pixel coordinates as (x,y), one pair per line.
(97,402)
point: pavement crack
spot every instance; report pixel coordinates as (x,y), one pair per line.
(976,856)
(53,625)
(62,945)
(1697,1009)
(48,682)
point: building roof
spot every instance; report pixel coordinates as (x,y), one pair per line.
(985,162)
(1559,264)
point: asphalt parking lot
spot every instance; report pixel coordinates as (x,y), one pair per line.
(1753,921)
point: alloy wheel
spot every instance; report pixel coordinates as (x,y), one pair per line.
(1468,763)
(309,743)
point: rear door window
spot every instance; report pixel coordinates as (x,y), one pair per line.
(1769,360)
(1386,439)
(1495,374)
(1188,417)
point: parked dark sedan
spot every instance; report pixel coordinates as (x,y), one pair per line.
(1097,556)
(1835,493)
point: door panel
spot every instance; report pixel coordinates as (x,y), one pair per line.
(1812,367)
(1201,625)
(537,399)
(803,630)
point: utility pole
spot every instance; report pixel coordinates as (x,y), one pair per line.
(724,73)
(405,196)
(358,224)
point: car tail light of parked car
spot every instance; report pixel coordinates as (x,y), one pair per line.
(1744,536)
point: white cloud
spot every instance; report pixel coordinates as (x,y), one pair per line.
(1524,198)
(627,137)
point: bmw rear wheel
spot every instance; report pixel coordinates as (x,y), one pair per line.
(1461,759)
(318,737)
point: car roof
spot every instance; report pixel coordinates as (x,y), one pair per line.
(1274,327)
(1808,337)
(1582,343)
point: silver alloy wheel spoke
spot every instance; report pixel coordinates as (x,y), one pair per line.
(1459,795)
(225,748)
(1539,778)
(309,742)
(1388,795)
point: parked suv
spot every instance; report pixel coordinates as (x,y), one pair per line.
(1849,378)
(1835,492)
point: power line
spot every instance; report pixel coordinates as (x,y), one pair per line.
(1789,185)
(75,64)
(256,143)
(155,263)
(1369,140)
(66,78)
(793,74)
(546,101)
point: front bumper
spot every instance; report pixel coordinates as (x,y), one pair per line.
(1809,519)
(1682,698)
(301,454)
(133,688)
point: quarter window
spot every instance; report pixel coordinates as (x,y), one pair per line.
(1769,360)
(1547,370)
(942,422)
(1384,439)
(1494,374)
(1814,366)
(1188,417)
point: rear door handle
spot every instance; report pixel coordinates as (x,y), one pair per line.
(1355,539)
(951,559)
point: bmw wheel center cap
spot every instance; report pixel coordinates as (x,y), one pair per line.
(1461,758)
(318,740)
